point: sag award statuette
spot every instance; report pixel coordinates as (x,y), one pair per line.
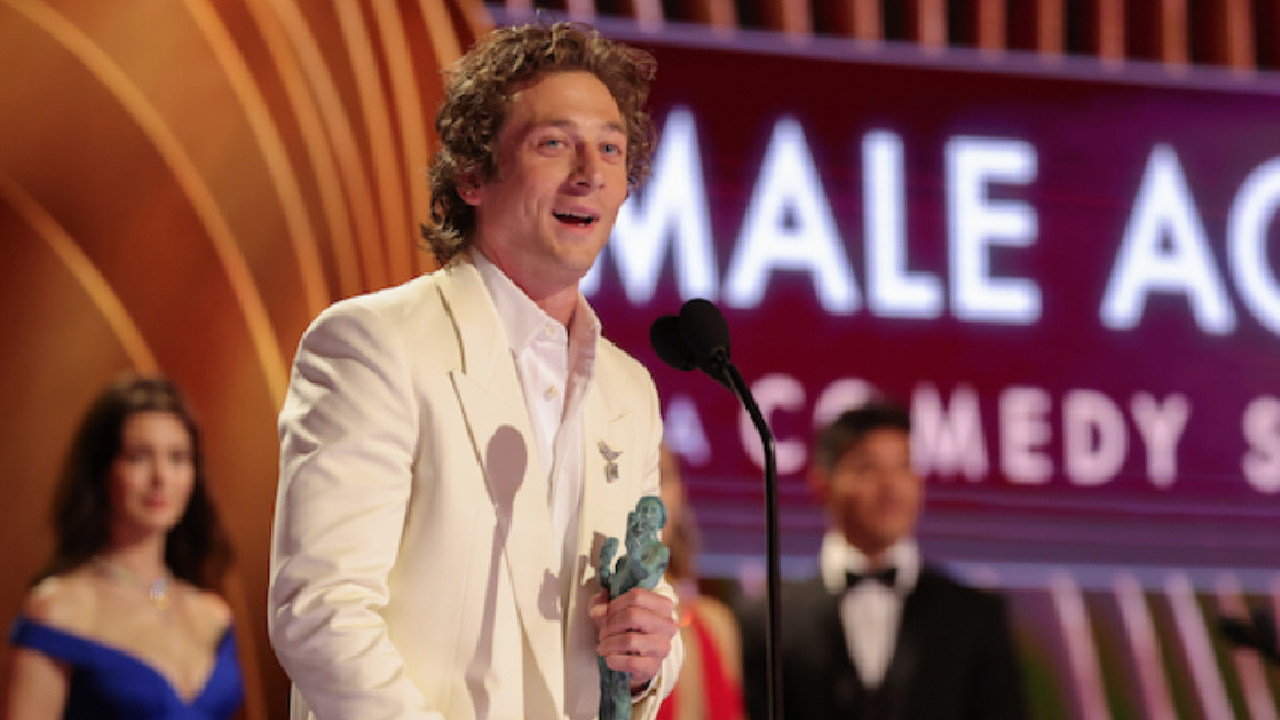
(642,566)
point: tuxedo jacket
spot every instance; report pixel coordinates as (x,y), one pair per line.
(953,659)
(414,574)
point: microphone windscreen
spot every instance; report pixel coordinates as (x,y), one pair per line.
(704,329)
(664,336)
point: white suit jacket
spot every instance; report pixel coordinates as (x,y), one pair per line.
(413,569)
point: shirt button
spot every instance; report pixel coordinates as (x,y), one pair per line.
(549,331)
(550,392)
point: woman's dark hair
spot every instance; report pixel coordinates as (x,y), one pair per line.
(196,549)
(477,94)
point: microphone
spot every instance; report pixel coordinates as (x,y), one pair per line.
(705,332)
(665,338)
(699,337)
(668,341)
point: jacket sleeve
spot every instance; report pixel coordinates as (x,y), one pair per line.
(997,687)
(348,431)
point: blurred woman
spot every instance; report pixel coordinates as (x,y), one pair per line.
(710,684)
(120,623)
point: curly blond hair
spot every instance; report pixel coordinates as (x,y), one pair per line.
(477,94)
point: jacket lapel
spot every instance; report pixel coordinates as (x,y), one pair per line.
(606,428)
(610,464)
(502,436)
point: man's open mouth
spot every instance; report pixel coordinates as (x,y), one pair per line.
(571,218)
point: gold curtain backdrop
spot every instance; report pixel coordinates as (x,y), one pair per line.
(184,184)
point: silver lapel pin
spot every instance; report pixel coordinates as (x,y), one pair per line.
(611,460)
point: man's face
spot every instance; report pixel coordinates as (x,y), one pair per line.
(561,177)
(873,495)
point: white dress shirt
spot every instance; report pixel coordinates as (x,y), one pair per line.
(555,366)
(870,612)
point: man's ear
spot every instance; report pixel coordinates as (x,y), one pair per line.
(819,482)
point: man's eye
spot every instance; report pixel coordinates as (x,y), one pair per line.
(612,149)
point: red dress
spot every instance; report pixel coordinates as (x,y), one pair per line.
(721,694)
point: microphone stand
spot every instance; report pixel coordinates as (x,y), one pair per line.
(773,617)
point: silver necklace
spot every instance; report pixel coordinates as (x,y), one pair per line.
(157,591)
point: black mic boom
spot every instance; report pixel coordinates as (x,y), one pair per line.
(699,337)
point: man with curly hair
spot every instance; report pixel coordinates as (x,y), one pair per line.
(454,450)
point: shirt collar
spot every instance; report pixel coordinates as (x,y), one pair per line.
(522,319)
(838,556)
(584,338)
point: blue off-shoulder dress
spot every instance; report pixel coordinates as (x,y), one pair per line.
(109,683)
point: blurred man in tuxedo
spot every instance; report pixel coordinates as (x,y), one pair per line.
(455,449)
(878,634)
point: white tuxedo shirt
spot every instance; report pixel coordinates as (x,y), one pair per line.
(870,613)
(413,567)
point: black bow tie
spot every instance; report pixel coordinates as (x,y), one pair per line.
(885,576)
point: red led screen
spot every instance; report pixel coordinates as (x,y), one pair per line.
(1068,272)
